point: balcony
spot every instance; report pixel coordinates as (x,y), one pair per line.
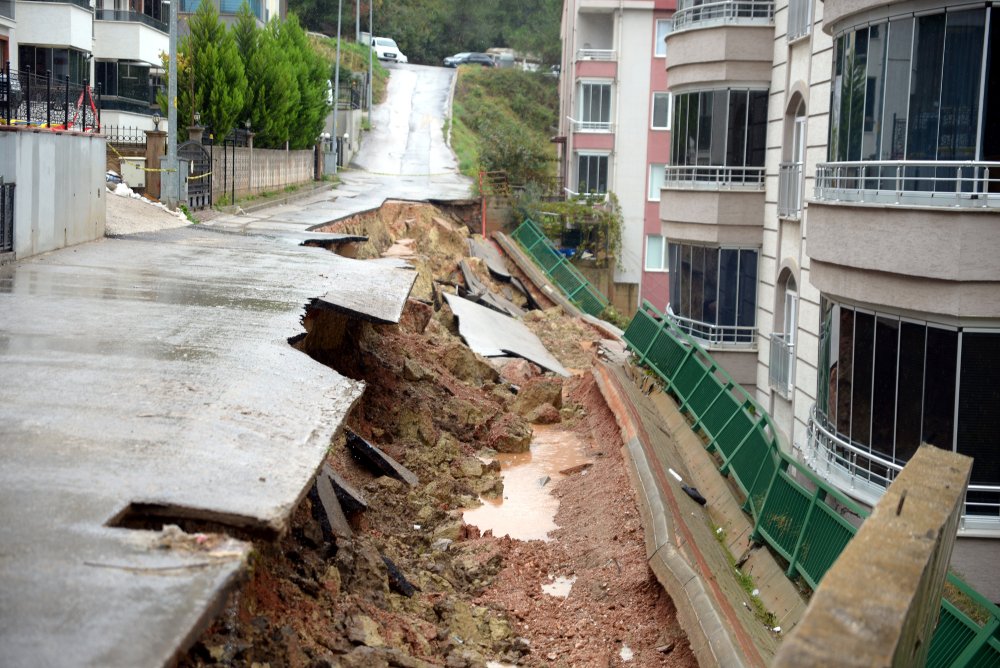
(590,126)
(782,367)
(708,177)
(964,185)
(730,336)
(132,17)
(83,4)
(790,190)
(696,14)
(865,475)
(597,54)
(132,97)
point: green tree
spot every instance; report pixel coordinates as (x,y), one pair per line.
(218,83)
(311,74)
(272,88)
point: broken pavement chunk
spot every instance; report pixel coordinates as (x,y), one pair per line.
(374,290)
(335,524)
(378,460)
(351,499)
(492,334)
(484,250)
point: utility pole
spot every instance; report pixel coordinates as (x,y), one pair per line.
(357,20)
(336,84)
(371,79)
(172,191)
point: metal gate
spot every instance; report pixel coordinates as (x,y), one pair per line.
(199,180)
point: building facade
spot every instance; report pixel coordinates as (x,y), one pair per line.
(831,220)
(615,121)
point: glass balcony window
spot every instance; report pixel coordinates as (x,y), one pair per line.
(700,14)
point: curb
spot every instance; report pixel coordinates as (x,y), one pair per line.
(716,637)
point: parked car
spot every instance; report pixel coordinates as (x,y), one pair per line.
(470,58)
(386,49)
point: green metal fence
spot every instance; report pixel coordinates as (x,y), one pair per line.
(559,270)
(795,512)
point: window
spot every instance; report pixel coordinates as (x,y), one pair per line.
(661,111)
(663,28)
(657,174)
(714,291)
(799,18)
(61,62)
(656,253)
(721,128)
(592,173)
(887,383)
(909,88)
(595,105)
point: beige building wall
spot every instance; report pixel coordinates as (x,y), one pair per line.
(801,69)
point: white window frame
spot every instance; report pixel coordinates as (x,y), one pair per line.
(652,111)
(662,268)
(594,154)
(582,107)
(660,169)
(660,45)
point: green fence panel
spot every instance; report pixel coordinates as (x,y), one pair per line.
(783,515)
(688,376)
(703,395)
(640,333)
(824,537)
(758,488)
(564,275)
(735,431)
(953,634)
(745,461)
(719,417)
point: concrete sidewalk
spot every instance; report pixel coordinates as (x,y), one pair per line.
(153,375)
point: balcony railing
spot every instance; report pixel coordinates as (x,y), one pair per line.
(591,126)
(790,190)
(799,18)
(596,54)
(910,183)
(696,14)
(734,336)
(782,367)
(131,17)
(866,475)
(708,177)
(83,4)
(7,8)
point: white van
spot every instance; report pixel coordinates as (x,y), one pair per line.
(386,49)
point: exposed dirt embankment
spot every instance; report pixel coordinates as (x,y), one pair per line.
(415,585)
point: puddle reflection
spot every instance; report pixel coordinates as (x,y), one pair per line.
(527,510)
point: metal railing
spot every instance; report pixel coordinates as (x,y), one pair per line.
(48,102)
(122,135)
(867,474)
(782,367)
(558,269)
(966,184)
(695,14)
(131,17)
(716,335)
(7,8)
(6,217)
(591,126)
(790,190)
(799,18)
(83,4)
(711,177)
(596,54)
(798,514)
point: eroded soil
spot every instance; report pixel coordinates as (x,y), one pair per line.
(415,585)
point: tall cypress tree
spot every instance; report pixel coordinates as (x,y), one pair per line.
(311,73)
(219,84)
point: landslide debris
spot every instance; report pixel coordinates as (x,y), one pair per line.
(416,586)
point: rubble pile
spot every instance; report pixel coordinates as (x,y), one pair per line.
(413,584)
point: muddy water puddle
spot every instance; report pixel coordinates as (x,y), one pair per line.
(527,510)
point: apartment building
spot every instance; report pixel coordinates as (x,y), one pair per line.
(832,230)
(115,45)
(615,121)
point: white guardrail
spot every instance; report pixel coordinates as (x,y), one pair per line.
(908,182)
(694,14)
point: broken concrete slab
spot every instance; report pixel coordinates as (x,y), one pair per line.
(149,371)
(378,460)
(480,293)
(374,290)
(493,334)
(351,498)
(335,521)
(484,250)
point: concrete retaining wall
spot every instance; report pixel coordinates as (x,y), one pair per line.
(59,197)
